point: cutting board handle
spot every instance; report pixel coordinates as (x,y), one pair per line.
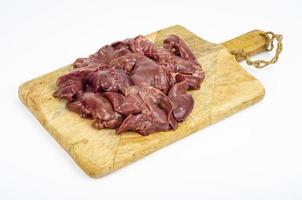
(252,43)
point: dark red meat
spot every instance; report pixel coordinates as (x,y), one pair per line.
(147,73)
(111,80)
(71,85)
(132,85)
(177,46)
(182,101)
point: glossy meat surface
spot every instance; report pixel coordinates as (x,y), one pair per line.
(132,85)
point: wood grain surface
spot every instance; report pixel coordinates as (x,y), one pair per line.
(226,89)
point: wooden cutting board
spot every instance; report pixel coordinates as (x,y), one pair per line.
(227,88)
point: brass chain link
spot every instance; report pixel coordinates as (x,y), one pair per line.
(270,38)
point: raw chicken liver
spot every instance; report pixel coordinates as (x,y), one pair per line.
(132,85)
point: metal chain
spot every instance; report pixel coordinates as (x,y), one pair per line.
(270,38)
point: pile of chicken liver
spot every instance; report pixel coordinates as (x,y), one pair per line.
(132,85)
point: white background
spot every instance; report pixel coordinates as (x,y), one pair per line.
(255,154)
